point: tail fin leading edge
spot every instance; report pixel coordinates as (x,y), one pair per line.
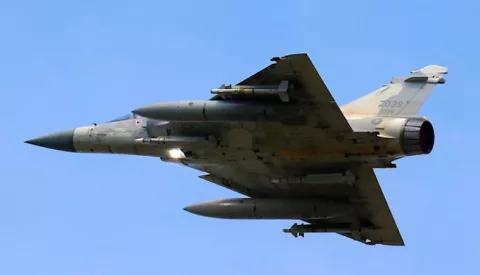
(403,97)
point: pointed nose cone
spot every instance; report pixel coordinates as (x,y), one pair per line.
(62,141)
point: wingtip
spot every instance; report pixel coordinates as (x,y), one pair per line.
(432,69)
(294,55)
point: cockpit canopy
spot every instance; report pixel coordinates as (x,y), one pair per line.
(126,117)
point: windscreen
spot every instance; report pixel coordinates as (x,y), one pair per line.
(124,117)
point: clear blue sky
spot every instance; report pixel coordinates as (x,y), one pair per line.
(65,64)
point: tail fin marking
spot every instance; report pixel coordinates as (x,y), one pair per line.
(403,97)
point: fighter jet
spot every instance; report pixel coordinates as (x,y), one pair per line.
(279,139)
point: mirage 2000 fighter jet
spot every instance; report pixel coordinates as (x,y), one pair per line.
(279,138)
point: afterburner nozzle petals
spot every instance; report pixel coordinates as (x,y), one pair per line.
(62,140)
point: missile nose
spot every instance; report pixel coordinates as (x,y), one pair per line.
(62,141)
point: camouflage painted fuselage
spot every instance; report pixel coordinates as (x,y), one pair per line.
(279,138)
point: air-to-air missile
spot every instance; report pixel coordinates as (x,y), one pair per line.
(280,90)
(279,138)
(346,178)
(300,229)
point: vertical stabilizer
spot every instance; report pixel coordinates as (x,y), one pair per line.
(403,97)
